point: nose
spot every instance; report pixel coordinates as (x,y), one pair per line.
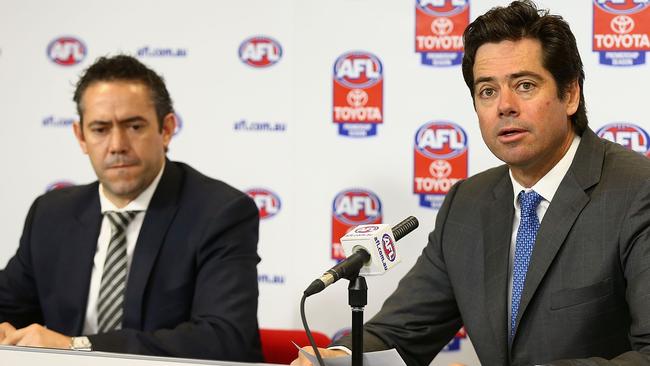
(508,106)
(119,142)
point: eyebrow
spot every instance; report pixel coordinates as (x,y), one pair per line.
(125,120)
(516,75)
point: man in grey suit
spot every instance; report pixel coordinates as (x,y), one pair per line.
(546,259)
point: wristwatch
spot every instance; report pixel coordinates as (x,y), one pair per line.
(80,344)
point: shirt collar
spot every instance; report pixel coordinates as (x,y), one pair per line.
(549,183)
(140,203)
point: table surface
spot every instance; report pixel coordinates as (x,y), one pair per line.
(12,355)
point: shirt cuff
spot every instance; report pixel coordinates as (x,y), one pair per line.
(341,348)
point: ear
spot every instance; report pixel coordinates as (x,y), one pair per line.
(168,128)
(79,134)
(572,98)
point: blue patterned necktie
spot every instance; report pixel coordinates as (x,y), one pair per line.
(526,234)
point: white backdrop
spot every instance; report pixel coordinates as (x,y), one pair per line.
(270,128)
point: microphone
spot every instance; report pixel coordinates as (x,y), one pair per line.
(369,250)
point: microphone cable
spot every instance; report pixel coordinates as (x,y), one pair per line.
(309,336)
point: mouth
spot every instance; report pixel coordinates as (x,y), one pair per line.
(120,166)
(511,134)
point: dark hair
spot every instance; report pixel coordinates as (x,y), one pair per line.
(522,19)
(126,68)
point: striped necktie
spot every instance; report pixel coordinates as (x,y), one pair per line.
(524,244)
(110,303)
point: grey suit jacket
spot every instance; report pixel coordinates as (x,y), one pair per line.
(586,299)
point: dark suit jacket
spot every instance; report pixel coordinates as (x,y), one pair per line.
(192,287)
(587,291)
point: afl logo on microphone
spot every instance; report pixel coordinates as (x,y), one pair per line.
(260,52)
(440,158)
(357,94)
(389,247)
(621,29)
(366,229)
(439,26)
(350,208)
(629,135)
(66,51)
(268,203)
(59,185)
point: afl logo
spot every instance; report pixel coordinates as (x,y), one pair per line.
(357,207)
(260,51)
(366,229)
(441,140)
(66,51)
(442,8)
(357,69)
(630,136)
(389,247)
(621,6)
(268,203)
(59,185)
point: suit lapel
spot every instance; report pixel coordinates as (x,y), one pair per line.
(569,200)
(159,215)
(82,246)
(498,223)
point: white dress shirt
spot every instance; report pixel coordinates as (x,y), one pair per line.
(140,203)
(545,187)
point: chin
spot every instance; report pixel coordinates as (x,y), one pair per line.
(514,155)
(125,189)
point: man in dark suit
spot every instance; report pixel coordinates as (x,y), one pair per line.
(154,258)
(544,260)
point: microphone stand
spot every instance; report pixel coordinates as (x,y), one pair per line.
(357,298)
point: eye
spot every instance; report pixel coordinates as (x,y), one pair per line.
(526,86)
(98,130)
(136,126)
(487,92)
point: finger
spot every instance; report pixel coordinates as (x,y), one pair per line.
(14,337)
(329,353)
(302,360)
(6,327)
(37,335)
(308,349)
(5,330)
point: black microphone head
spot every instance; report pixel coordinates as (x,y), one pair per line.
(406,226)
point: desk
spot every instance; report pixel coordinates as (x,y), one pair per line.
(16,356)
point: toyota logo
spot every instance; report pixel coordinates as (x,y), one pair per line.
(357,98)
(442,26)
(440,169)
(622,24)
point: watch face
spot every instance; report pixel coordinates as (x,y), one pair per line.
(81,343)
